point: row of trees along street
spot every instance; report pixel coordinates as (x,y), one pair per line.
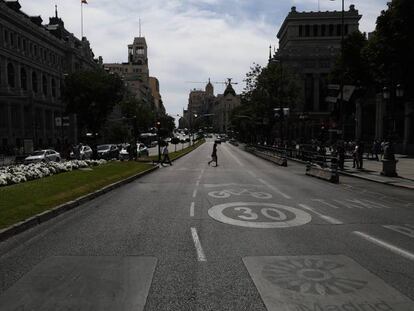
(94,94)
(384,59)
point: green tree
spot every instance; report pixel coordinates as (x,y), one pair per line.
(391,47)
(92,95)
(354,61)
(266,88)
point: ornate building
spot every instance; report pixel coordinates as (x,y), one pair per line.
(223,108)
(136,74)
(33,61)
(209,111)
(309,44)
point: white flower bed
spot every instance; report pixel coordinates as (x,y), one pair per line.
(15,174)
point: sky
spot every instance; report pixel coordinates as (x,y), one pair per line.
(189,40)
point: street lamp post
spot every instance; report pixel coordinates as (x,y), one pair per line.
(341,103)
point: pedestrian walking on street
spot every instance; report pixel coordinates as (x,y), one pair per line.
(214,155)
(355,157)
(166,156)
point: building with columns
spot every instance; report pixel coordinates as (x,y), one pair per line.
(309,45)
(33,61)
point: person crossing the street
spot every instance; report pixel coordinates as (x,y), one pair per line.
(214,155)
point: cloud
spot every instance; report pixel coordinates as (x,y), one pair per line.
(188,40)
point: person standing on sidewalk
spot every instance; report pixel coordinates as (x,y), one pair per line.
(214,154)
(360,155)
(166,156)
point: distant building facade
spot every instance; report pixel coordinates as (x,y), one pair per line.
(209,111)
(33,61)
(135,73)
(223,107)
(309,44)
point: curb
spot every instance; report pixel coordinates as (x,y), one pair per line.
(60,209)
(374,180)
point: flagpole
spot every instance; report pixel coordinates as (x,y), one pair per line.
(81,20)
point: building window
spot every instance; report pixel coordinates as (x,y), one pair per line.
(6,36)
(11,39)
(24,44)
(23,79)
(35,50)
(331,30)
(300,31)
(19,43)
(307,31)
(338,30)
(315,30)
(346,29)
(44,85)
(11,75)
(323,30)
(53,88)
(34,82)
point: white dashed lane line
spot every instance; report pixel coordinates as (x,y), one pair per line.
(200,253)
(192,209)
(195,193)
(396,250)
(329,219)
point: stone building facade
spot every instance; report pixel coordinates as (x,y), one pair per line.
(33,61)
(309,45)
(223,107)
(209,111)
(135,73)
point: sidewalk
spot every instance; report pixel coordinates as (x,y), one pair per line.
(373,168)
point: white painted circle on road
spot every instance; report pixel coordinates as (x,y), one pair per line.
(257,215)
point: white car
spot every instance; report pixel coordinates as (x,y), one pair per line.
(46,155)
(85,153)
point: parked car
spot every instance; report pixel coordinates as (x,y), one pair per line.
(107,152)
(85,153)
(154,143)
(142,150)
(45,155)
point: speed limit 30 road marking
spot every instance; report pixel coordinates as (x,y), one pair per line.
(259,215)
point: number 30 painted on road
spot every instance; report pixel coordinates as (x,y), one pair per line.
(247,215)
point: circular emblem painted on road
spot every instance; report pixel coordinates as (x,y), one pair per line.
(311,276)
(259,215)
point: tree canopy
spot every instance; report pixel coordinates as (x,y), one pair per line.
(92,95)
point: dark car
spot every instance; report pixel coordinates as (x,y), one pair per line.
(107,152)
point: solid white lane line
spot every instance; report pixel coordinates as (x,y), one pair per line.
(275,189)
(194,193)
(403,229)
(200,253)
(233,156)
(192,209)
(399,251)
(324,217)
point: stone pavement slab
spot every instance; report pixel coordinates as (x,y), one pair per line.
(83,283)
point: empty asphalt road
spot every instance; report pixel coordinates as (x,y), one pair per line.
(246,235)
